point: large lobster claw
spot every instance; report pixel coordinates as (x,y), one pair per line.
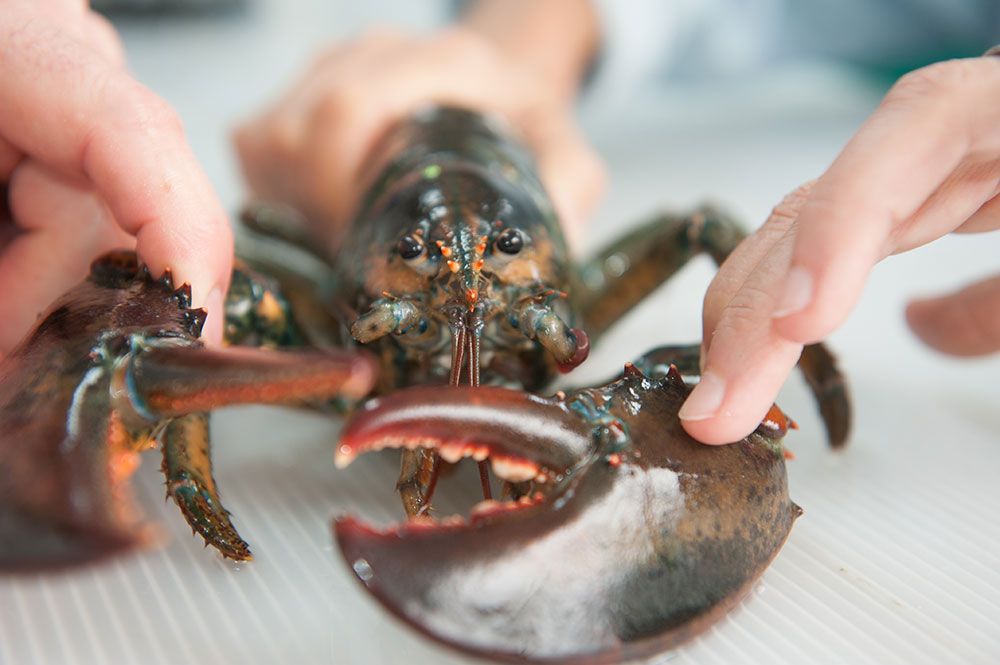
(639,539)
(114,366)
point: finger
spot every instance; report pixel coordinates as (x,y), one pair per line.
(966,323)
(732,318)
(746,362)
(63,227)
(101,125)
(100,34)
(742,262)
(958,198)
(931,120)
(987,218)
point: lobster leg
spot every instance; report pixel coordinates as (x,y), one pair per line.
(624,273)
(282,223)
(418,472)
(684,357)
(829,387)
(183,383)
(170,381)
(187,466)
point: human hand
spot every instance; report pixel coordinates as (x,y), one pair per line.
(925,164)
(91,160)
(308,149)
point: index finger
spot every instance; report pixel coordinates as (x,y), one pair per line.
(72,110)
(932,121)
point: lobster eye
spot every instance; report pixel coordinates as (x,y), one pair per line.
(409,247)
(510,241)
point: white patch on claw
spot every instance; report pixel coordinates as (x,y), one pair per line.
(92,376)
(556,609)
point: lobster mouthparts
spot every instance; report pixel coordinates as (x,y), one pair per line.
(642,538)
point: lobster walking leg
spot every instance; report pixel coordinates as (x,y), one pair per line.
(187,466)
(628,270)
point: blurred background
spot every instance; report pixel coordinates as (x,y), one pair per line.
(897,559)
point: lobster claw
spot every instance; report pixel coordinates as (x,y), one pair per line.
(640,539)
(112,368)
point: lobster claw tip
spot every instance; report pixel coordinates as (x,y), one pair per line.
(523,435)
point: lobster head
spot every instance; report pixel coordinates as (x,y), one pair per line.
(458,242)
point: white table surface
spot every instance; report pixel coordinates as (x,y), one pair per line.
(897,559)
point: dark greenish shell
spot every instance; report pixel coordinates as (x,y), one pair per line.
(57,500)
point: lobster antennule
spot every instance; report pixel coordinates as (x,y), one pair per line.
(169,381)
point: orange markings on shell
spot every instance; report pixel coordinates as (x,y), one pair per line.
(776,422)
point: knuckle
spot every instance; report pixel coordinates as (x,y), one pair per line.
(336,107)
(105,38)
(940,80)
(147,111)
(787,211)
(746,309)
(716,298)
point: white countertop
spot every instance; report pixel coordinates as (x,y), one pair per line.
(896,560)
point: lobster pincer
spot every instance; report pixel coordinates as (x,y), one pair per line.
(113,368)
(630,536)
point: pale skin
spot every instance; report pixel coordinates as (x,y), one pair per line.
(925,164)
(91,160)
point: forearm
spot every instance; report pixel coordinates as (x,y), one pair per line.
(558,38)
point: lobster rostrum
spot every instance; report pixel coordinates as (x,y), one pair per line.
(614,534)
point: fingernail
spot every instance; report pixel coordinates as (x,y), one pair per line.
(212,332)
(705,400)
(797,294)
